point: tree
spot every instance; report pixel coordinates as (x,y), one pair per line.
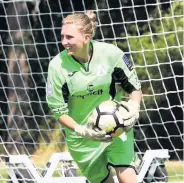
(157,53)
(18,80)
(155,67)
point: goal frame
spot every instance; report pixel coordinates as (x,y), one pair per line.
(65,157)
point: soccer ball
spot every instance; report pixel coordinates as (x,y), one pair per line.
(108,117)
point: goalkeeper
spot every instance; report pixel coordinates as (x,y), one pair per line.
(79,79)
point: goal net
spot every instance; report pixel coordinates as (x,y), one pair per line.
(150,32)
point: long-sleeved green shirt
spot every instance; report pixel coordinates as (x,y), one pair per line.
(75,89)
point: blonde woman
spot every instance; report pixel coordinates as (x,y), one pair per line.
(79,79)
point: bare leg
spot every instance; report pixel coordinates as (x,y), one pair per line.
(126,175)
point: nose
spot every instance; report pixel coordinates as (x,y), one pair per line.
(64,41)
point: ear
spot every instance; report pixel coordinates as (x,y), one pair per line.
(87,38)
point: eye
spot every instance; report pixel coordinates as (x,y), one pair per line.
(69,37)
(62,37)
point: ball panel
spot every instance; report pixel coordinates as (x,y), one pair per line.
(120,113)
(108,116)
(107,106)
(107,123)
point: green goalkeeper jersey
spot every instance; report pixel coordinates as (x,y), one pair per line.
(76,89)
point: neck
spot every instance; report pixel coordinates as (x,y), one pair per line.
(84,55)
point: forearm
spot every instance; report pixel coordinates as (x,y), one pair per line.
(83,130)
(136,95)
(67,121)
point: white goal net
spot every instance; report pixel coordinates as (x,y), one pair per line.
(150,32)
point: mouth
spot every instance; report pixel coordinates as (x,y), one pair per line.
(68,48)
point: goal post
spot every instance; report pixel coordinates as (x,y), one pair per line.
(66,160)
(149,32)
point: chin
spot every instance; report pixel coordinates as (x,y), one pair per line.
(69,53)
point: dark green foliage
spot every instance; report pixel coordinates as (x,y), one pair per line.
(151,35)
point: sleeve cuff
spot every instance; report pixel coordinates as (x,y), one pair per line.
(59,112)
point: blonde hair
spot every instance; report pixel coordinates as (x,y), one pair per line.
(87,22)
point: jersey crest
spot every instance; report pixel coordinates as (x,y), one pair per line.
(101,70)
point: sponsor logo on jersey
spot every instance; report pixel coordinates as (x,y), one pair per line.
(90,88)
(70,74)
(128,62)
(91,91)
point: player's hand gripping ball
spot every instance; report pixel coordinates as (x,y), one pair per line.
(108,117)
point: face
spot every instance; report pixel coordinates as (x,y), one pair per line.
(73,39)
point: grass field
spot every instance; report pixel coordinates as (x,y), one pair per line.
(175,171)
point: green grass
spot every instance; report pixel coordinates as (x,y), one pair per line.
(175,171)
(3,174)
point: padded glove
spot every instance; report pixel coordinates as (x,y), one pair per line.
(132,114)
(90,132)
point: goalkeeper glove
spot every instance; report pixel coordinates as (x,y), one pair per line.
(129,118)
(90,132)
